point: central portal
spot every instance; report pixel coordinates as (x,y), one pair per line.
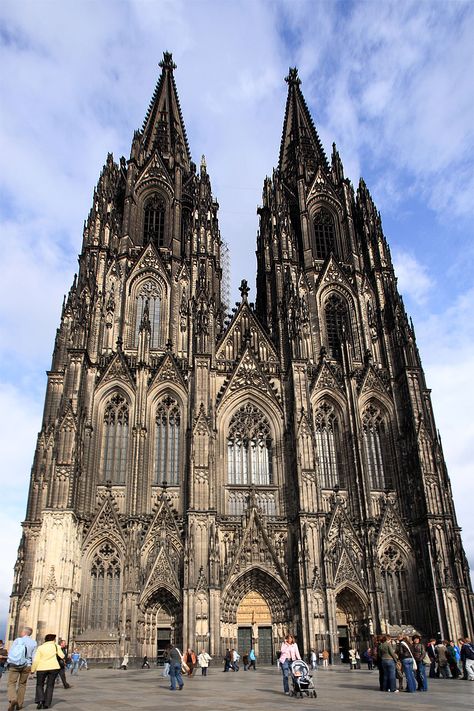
(254,627)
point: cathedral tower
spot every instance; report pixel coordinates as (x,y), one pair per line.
(216,481)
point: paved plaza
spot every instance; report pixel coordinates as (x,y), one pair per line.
(260,691)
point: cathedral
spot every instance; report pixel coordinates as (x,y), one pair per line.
(216,479)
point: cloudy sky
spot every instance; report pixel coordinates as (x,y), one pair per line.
(391,82)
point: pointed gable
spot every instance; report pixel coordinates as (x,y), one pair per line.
(300,139)
(163,527)
(372,382)
(105,524)
(248,374)
(333,274)
(391,529)
(168,372)
(162,574)
(163,126)
(255,548)
(154,170)
(346,570)
(341,533)
(149,261)
(117,370)
(244,327)
(327,378)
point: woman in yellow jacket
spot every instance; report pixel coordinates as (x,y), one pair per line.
(46,666)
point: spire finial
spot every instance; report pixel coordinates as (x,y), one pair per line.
(293,79)
(167,61)
(244,290)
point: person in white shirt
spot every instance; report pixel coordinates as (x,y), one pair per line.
(289,652)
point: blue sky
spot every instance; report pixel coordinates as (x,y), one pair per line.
(391,82)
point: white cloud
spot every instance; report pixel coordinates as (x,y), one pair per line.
(413,278)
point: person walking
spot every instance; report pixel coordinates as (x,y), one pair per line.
(419,652)
(452,660)
(19,660)
(325,659)
(145,664)
(175,659)
(288,653)
(124,664)
(252,660)
(227,660)
(75,659)
(190,660)
(388,659)
(46,666)
(62,667)
(203,660)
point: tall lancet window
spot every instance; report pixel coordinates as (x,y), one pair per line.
(115,440)
(377,448)
(104,608)
(327,444)
(249,448)
(324,234)
(167,442)
(149,292)
(154,221)
(337,324)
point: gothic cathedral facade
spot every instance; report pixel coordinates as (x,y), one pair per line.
(216,480)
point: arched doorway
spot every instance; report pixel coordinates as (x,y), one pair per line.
(352,622)
(255,612)
(160,623)
(254,627)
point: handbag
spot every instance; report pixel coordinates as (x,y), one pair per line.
(426,660)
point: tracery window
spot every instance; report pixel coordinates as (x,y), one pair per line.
(154,221)
(324,234)
(149,293)
(376,445)
(249,447)
(104,608)
(167,442)
(327,441)
(337,323)
(115,440)
(394,581)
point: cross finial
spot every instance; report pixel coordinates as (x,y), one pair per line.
(293,78)
(167,61)
(244,289)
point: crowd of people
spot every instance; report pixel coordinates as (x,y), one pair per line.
(47,662)
(404,663)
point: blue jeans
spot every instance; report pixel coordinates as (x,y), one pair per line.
(388,666)
(75,667)
(410,677)
(175,675)
(421,677)
(285,670)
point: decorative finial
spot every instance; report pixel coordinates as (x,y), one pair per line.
(203,162)
(167,61)
(169,345)
(293,78)
(244,290)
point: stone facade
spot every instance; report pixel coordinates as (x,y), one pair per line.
(217,479)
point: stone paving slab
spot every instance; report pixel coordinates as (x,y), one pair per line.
(262,690)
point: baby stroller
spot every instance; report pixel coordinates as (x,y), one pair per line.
(302,679)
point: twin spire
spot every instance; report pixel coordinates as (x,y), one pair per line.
(164,128)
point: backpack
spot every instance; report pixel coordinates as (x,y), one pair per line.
(17,654)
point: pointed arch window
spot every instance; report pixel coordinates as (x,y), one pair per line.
(376,445)
(327,440)
(154,220)
(167,442)
(249,448)
(115,440)
(394,583)
(104,608)
(337,324)
(149,292)
(324,234)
